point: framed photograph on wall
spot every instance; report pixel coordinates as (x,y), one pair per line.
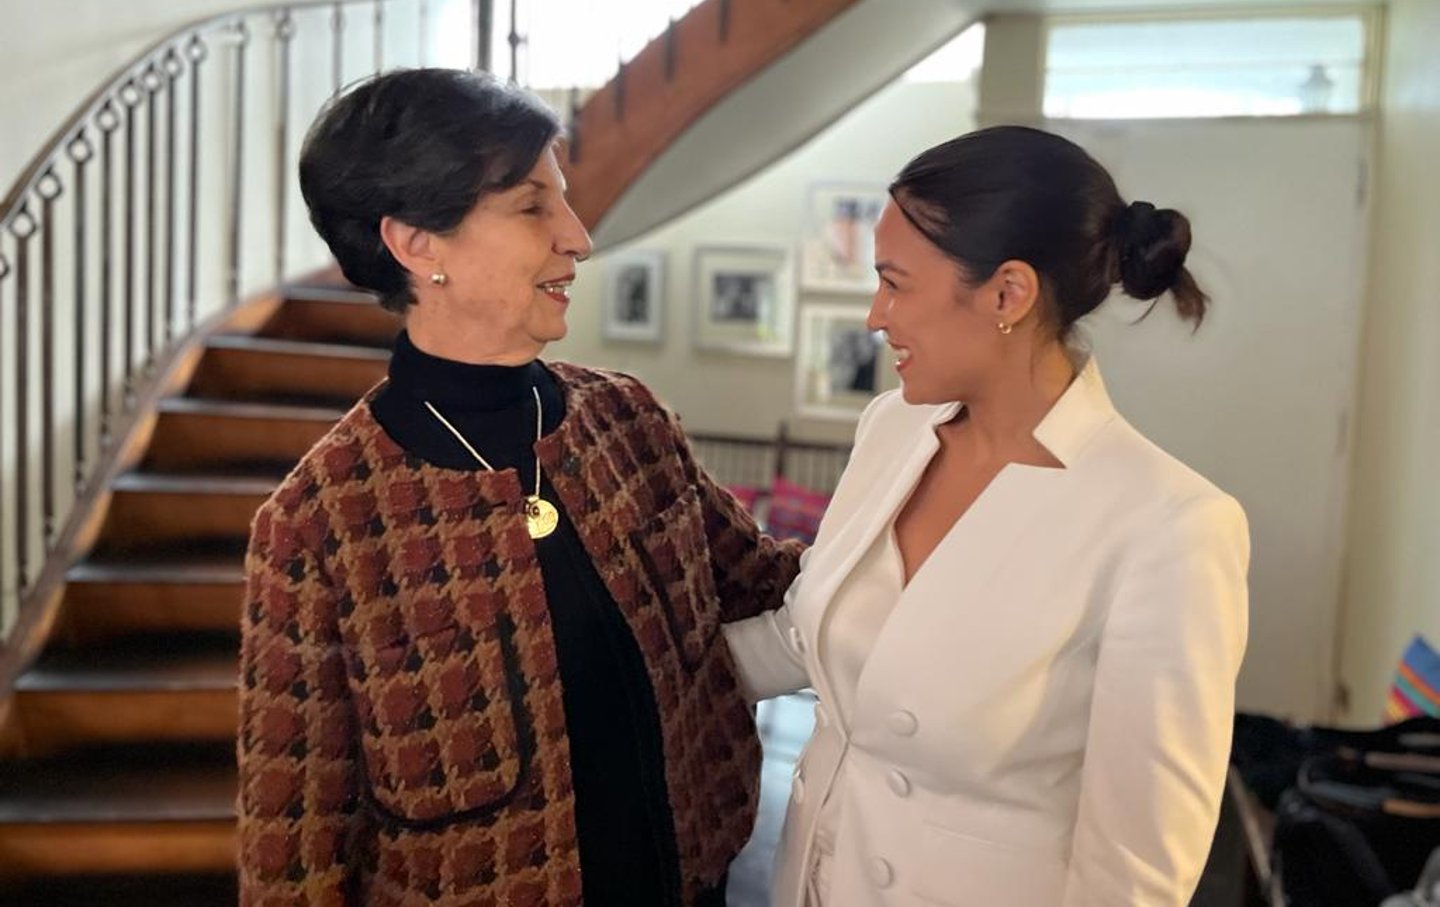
(838,370)
(744,300)
(634,297)
(837,245)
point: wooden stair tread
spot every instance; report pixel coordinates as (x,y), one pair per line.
(173,890)
(233,409)
(303,293)
(281,347)
(161,567)
(297,400)
(172,783)
(205,551)
(158,663)
(199,483)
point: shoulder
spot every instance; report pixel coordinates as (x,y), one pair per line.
(1155,499)
(602,388)
(1130,457)
(344,457)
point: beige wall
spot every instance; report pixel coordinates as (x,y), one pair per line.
(1393,584)
(726,393)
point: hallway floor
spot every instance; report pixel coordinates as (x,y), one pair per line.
(785,725)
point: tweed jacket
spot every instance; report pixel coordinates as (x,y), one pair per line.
(402,736)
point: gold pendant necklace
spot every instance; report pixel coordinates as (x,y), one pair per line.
(541,517)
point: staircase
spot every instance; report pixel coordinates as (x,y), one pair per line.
(117,775)
(704,56)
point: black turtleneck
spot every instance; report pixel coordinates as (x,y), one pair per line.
(622,813)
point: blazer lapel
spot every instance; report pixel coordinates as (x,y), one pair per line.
(875,512)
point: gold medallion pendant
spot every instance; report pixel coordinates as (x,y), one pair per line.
(541,517)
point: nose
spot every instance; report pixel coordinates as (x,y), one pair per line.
(879,308)
(571,237)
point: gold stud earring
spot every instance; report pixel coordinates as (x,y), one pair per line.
(439,278)
(1005,328)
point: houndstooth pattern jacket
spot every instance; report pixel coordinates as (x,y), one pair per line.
(402,737)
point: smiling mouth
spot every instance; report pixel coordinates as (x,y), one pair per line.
(902,356)
(558,290)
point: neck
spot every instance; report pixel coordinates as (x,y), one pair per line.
(461,341)
(1003,416)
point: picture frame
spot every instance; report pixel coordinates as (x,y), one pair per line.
(837,243)
(839,369)
(744,300)
(634,303)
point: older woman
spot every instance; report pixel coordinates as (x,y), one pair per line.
(481,658)
(1023,619)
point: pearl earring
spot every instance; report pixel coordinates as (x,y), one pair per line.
(439,278)
(1005,328)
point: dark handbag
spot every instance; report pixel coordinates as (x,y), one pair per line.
(1362,819)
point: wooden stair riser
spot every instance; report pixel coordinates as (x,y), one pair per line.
(123,847)
(52,720)
(325,321)
(190,441)
(95,612)
(144,519)
(248,374)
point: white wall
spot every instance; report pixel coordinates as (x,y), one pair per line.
(1260,399)
(726,393)
(1393,588)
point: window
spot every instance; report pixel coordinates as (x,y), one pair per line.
(1208,66)
(957,60)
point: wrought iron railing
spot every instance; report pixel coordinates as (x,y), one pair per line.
(168,196)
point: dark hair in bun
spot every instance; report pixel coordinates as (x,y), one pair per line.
(1152,244)
(1015,193)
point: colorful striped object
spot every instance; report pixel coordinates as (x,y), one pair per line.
(1417,684)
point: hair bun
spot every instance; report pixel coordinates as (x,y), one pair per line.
(1152,245)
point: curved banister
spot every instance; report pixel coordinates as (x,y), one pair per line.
(90,107)
(132,232)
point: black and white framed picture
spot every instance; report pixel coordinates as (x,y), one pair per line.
(744,300)
(841,362)
(634,296)
(837,247)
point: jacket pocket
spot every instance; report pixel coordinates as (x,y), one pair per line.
(674,555)
(445,733)
(960,870)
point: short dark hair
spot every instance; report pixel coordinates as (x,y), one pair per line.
(422,146)
(1014,193)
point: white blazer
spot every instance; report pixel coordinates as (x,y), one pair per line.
(1045,718)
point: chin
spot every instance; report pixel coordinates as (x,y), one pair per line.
(550,331)
(913,395)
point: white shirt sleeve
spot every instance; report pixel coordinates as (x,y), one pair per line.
(767,661)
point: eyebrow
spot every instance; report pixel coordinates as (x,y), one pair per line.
(883,266)
(542,186)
